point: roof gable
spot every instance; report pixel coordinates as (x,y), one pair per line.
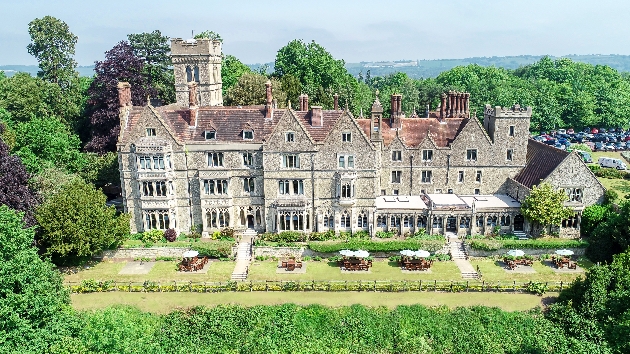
(541,160)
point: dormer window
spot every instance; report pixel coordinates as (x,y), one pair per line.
(346,137)
(210,134)
(289,137)
(150,131)
(248,134)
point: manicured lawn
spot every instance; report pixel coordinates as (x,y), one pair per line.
(621,186)
(166,302)
(163,271)
(381,270)
(493,271)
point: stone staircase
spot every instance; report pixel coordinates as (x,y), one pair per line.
(521,235)
(243,255)
(460,257)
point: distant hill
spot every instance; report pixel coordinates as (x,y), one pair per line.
(414,68)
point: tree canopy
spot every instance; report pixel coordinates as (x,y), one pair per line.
(76,224)
(545,206)
(120,64)
(231,70)
(154,49)
(250,90)
(53,44)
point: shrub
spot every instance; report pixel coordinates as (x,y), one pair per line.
(442,257)
(152,236)
(385,234)
(317,258)
(493,245)
(322,236)
(170,235)
(361,234)
(372,246)
(284,236)
(219,249)
(345,235)
(611,173)
(227,232)
(306,258)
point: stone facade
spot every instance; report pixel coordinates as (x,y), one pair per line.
(193,165)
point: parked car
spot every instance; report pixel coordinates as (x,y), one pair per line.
(562,131)
(590,145)
(620,146)
(599,146)
(586,157)
(594,131)
(610,146)
(570,131)
(611,163)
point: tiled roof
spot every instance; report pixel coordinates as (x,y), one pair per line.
(541,160)
(319,133)
(414,130)
(228,122)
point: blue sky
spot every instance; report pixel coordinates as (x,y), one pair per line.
(355,31)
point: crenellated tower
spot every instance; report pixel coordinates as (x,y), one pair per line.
(197,61)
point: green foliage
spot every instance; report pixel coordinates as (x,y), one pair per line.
(75,223)
(231,70)
(545,206)
(375,246)
(50,181)
(610,196)
(45,143)
(537,288)
(495,244)
(581,147)
(385,234)
(152,236)
(610,236)
(284,236)
(597,307)
(52,44)
(611,173)
(154,49)
(209,35)
(251,90)
(591,217)
(101,170)
(218,249)
(322,236)
(34,305)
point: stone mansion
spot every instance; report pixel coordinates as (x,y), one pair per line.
(197,164)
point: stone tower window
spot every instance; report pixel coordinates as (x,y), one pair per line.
(478,177)
(196,73)
(189,74)
(511,130)
(510,153)
(426,176)
(460,177)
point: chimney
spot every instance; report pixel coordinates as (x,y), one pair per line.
(124,102)
(317,118)
(467,104)
(442,107)
(301,105)
(393,110)
(193,106)
(268,106)
(305,108)
(450,104)
(399,105)
(336,99)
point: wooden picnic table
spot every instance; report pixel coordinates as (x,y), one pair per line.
(290,264)
(356,264)
(192,264)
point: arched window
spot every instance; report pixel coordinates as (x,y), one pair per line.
(394,221)
(421,222)
(345,220)
(362,221)
(464,222)
(189,74)
(406,221)
(505,220)
(437,222)
(380,221)
(196,73)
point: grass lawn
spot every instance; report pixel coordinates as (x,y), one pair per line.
(493,271)
(163,271)
(621,186)
(166,302)
(381,270)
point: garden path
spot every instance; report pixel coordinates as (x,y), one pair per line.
(458,253)
(243,256)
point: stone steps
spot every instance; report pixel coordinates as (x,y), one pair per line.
(470,275)
(243,258)
(521,235)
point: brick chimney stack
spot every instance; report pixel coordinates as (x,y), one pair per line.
(442,107)
(301,104)
(124,102)
(396,111)
(467,104)
(336,99)
(317,117)
(268,106)
(305,108)
(193,104)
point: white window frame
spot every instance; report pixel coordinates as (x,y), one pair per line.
(248,132)
(396,176)
(427,176)
(219,159)
(427,155)
(472,155)
(509,155)
(210,134)
(291,161)
(248,158)
(346,137)
(151,132)
(289,137)
(396,155)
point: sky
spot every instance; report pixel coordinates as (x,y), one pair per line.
(365,30)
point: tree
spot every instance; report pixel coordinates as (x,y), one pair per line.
(211,35)
(34,304)
(53,44)
(46,142)
(320,75)
(231,70)
(120,64)
(250,90)
(545,206)
(154,49)
(14,189)
(75,224)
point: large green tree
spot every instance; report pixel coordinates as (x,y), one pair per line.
(34,305)
(250,90)
(231,70)
(544,206)
(154,49)
(75,224)
(53,44)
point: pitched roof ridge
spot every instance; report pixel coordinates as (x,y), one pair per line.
(166,125)
(549,147)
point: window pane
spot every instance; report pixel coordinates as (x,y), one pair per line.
(350,161)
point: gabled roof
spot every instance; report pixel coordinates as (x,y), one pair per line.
(318,133)
(228,122)
(540,161)
(414,130)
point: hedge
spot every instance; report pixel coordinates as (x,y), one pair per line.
(493,245)
(220,249)
(376,246)
(92,286)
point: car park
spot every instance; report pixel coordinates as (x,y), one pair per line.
(586,157)
(599,146)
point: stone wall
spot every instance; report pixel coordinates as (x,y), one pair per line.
(150,252)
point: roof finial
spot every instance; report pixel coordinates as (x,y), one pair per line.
(361,115)
(289,104)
